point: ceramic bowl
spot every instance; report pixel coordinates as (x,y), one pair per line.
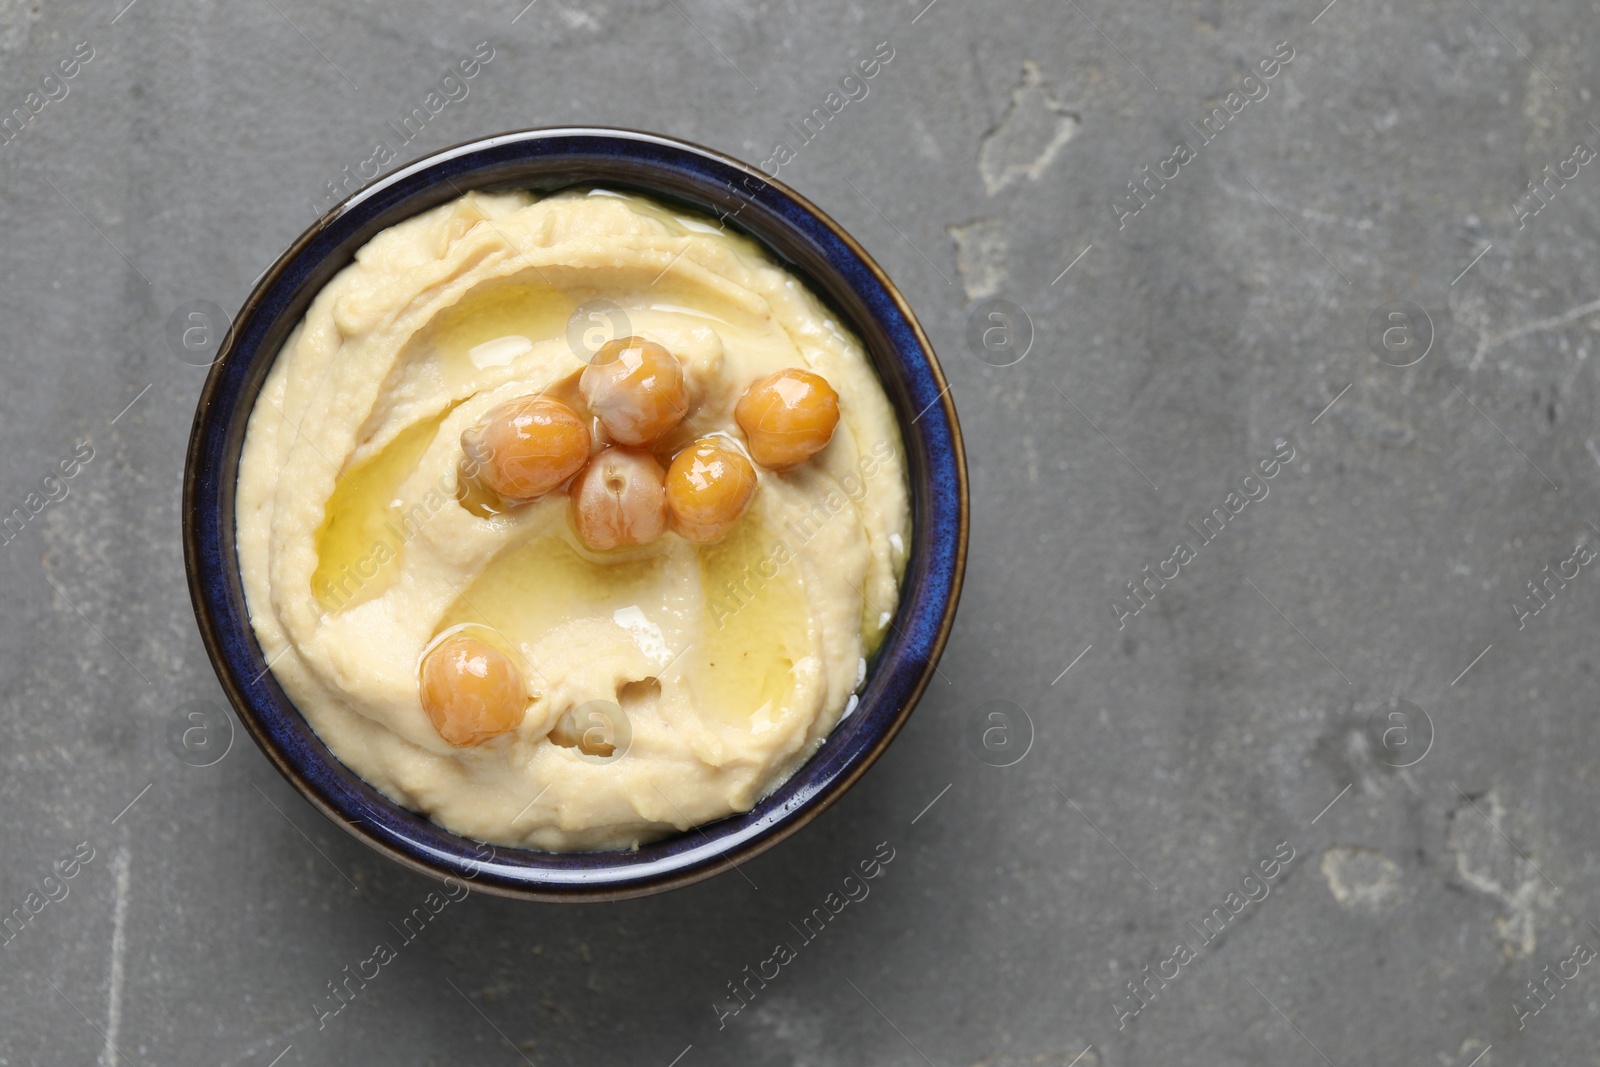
(801,237)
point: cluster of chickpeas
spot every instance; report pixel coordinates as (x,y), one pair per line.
(619,495)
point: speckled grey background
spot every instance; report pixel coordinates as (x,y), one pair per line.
(1243,714)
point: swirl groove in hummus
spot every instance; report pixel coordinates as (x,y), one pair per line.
(732,661)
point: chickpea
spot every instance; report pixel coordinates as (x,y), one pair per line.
(619,499)
(709,486)
(787,417)
(471,691)
(635,388)
(524,448)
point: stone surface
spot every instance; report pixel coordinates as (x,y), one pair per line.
(1244,714)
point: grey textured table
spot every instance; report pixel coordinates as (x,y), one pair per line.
(1335,755)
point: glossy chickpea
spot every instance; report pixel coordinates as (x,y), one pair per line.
(471,691)
(787,417)
(620,499)
(709,486)
(524,448)
(635,388)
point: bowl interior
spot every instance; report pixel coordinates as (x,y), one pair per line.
(798,236)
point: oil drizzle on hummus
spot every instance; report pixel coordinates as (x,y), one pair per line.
(363,528)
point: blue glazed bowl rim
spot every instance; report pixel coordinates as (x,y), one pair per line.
(809,243)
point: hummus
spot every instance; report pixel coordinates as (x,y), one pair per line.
(729,662)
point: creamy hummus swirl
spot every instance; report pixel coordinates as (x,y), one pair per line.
(731,662)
